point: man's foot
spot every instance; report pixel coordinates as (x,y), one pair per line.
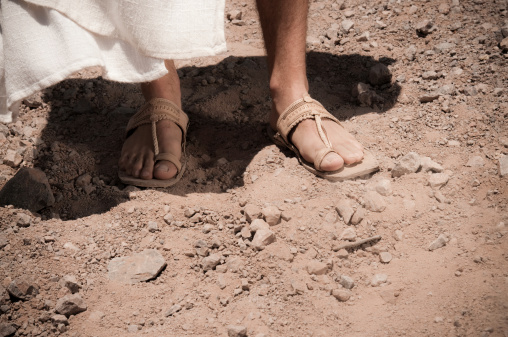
(137,157)
(306,138)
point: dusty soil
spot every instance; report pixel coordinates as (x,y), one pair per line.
(75,129)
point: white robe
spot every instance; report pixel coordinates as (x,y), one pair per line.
(43,42)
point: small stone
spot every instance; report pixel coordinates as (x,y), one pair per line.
(263,238)
(28,189)
(346,281)
(245,232)
(342,254)
(379,74)
(444,46)
(410,163)
(23,220)
(438,243)
(258,224)
(4,296)
(169,218)
(428,164)
(152,226)
(503,165)
(385,257)
(504,44)
(424,27)
(347,25)
(211,261)
(358,216)
(475,161)
(374,202)
(438,180)
(379,279)
(234,15)
(235,264)
(136,268)
(316,267)
(70,305)
(345,210)
(398,235)
(384,187)
(70,282)
(430,75)
(173,310)
(342,295)
(189,212)
(298,287)
(348,234)
(8,329)
(22,289)
(12,158)
(429,97)
(444,8)
(59,319)
(132,328)
(96,316)
(251,212)
(83,180)
(237,331)
(271,215)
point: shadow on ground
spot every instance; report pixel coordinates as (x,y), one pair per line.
(228,105)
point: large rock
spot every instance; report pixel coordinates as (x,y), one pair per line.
(410,163)
(379,74)
(70,305)
(139,267)
(28,189)
(22,289)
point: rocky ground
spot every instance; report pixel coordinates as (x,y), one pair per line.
(249,243)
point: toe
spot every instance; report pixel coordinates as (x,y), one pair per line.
(164,170)
(147,170)
(136,167)
(332,162)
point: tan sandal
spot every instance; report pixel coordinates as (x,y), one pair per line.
(152,112)
(308,108)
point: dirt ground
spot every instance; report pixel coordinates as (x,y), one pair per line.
(447,100)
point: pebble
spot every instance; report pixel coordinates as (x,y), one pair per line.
(503,166)
(70,305)
(438,243)
(348,234)
(251,212)
(504,44)
(384,187)
(271,214)
(379,74)
(424,27)
(358,216)
(258,224)
(429,96)
(427,164)
(22,289)
(28,189)
(4,296)
(475,161)
(385,257)
(83,180)
(444,46)
(374,202)
(262,238)
(234,15)
(430,75)
(398,235)
(378,279)
(7,329)
(138,267)
(12,158)
(70,282)
(245,232)
(345,210)
(315,267)
(211,261)
(173,310)
(438,180)
(342,254)
(410,163)
(59,319)
(237,331)
(96,316)
(152,226)
(23,220)
(444,8)
(347,25)
(347,282)
(132,328)
(234,264)
(342,295)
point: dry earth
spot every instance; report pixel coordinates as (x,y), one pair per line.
(437,126)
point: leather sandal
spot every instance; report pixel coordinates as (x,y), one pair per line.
(155,110)
(308,108)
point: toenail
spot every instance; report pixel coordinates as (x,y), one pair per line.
(162,167)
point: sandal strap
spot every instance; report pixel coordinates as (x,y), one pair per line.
(318,159)
(300,110)
(171,158)
(155,110)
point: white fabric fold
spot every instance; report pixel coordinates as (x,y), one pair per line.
(44,41)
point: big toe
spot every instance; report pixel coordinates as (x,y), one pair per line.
(164,170)
(332,162)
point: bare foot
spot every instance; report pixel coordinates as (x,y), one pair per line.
(137,157)
(306,138)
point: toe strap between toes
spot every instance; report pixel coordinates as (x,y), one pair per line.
(171,158)
(320,155)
